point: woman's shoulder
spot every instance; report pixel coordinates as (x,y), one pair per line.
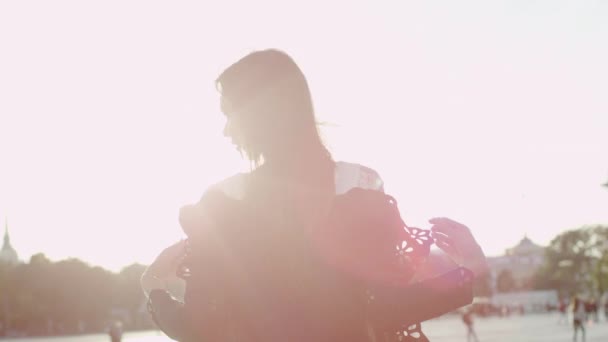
(352,175)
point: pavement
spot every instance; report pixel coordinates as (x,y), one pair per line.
(528,328)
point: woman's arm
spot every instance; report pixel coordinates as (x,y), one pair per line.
(168,312)
(163,268)
(395,306)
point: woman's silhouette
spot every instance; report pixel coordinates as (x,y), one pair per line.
(259,223)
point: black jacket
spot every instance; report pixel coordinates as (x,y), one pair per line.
(250,278)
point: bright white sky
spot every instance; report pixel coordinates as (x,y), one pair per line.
(494,113)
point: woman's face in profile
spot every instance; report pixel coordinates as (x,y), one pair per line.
(243,123)
(231,129)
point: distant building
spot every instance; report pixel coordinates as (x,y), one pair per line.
(522,261)
(8,255)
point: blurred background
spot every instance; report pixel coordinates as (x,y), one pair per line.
(491,113)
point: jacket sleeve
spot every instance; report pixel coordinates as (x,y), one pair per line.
(394,307)
(169,315)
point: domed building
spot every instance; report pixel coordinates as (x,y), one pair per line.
(521,261)
(8,255)
(512,275)
(527,249)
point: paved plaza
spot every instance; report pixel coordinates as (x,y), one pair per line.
(530,328)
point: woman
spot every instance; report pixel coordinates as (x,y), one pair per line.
(270,118)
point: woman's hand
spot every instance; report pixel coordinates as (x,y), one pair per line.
(164,267)
(456,240)
(167,261)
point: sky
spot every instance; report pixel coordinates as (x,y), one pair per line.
(493,113)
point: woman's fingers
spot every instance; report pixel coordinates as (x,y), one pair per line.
(456,240)
(439,231)
(443,241)
(447,224)
(446,232)
(165,262)
(448,249)
(452,229)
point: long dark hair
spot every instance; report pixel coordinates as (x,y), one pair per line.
(270,92)
(271,96)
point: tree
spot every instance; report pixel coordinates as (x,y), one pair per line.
(600,271)
(130,295)
(505,281)
(574,261)
(6,293)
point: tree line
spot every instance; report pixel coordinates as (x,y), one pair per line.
(576,261)
(69,296)
(44,297)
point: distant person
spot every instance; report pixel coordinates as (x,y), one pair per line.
(115,331)
(467,319)
(595,309)
(579,317)
(563,312)
(280,253)
(505,311)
